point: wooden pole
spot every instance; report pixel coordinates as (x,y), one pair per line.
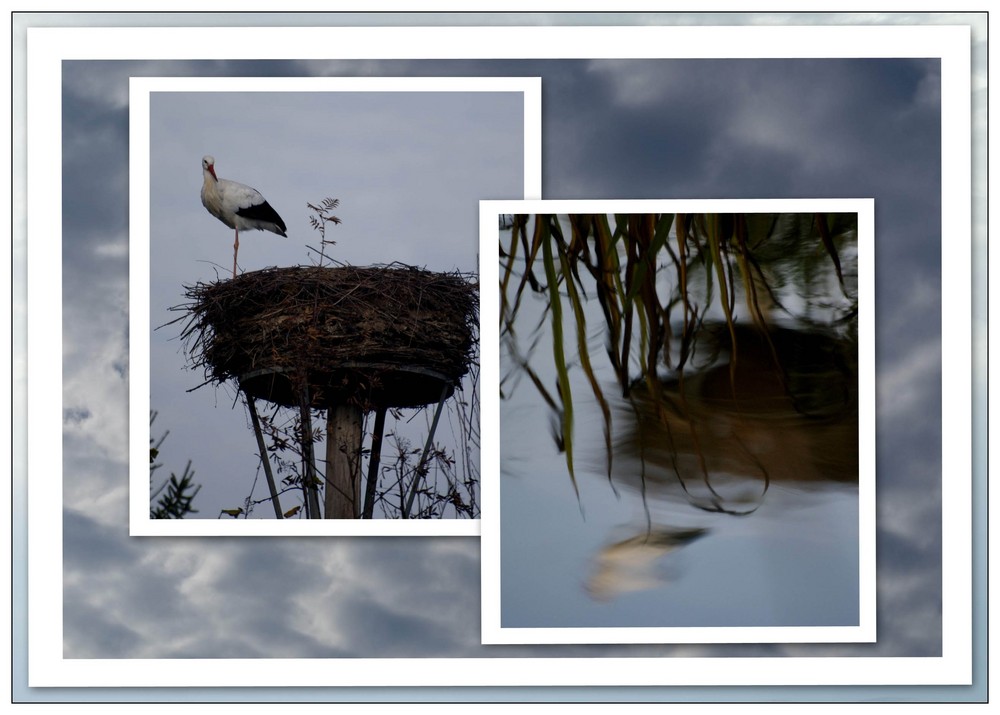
(343,462)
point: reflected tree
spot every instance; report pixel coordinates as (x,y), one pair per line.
(723,333)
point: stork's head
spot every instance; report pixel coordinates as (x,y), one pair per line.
(208,164)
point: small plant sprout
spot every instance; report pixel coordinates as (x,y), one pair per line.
(320,219)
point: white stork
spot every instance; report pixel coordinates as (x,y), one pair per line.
(237,205)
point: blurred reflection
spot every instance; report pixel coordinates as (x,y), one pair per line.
(634,564)
(721,413)
(782,407)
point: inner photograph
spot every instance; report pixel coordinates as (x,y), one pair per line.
(679,424)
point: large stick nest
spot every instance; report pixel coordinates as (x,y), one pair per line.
(342,329)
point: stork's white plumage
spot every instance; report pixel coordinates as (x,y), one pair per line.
(237,205)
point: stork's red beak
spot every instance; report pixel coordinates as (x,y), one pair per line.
(211,170)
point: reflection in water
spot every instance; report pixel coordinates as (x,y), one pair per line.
(785,409)
(634,564)
(730,383)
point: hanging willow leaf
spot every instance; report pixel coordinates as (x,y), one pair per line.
(824,234)
(609,291)
(624,261)
(683,265)
(584,354)
(505,308)
(714,239)
(531,254)
(641,280)
(744,259)
(543,234)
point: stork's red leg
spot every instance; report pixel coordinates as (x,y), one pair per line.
(236,249)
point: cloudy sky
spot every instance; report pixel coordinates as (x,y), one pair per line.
(848,128)
(611,129)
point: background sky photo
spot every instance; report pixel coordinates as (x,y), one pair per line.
(611,129)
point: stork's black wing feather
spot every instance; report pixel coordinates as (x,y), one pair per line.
(262,212)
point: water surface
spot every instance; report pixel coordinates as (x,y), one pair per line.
(730,497)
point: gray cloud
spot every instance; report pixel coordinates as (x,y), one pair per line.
(612,130)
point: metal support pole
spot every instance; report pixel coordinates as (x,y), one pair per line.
(373,463)
(309,477)
(423,457)
(263,457)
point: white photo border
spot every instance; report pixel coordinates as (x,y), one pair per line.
(140,90)
(493,632)
(48,47)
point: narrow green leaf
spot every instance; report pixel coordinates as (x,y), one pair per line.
(824,234)
(558,349)
(584,353)
(714,243)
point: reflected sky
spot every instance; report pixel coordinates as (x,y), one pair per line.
(793,564)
